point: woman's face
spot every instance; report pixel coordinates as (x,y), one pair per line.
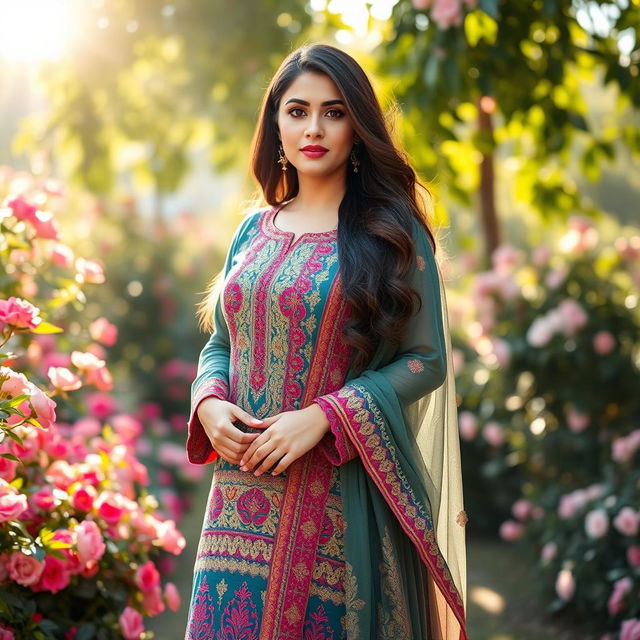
(312,112)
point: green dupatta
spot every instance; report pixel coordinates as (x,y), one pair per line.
(397,444)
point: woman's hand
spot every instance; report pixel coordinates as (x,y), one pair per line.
(288,436)
(228,441)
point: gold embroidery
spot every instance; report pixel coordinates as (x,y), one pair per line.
(352,604)
(292,614)
(462,518)
(421,263)
(221,588)
(394,621)
(415,366)
(300,571)
(308,528)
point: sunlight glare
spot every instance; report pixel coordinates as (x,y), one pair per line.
(34,30)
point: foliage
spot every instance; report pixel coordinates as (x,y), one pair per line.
(552,389)
(79,534)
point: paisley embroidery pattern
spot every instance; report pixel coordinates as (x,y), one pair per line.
(421,263)
(462,518)
(201,615)
(239,619)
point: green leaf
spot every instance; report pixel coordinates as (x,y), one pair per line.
(86,631)
(47,327)
(10,456)
(490,7)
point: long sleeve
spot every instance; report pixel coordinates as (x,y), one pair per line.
(212,378)
(420,363)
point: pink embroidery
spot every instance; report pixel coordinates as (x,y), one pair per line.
(327,530)
(233,298)
(316,627)
(239,620)
(253,507)
(217,504)
(415,366)
(201,625)
(420,263)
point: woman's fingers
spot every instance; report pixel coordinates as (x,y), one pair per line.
(250,460)
(283,465)
(268,462)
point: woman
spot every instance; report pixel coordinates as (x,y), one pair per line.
(325,396)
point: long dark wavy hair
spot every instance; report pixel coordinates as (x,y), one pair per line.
(375,247)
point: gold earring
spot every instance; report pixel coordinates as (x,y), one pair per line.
(282,159)
(354,160)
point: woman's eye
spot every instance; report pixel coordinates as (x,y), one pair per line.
(337,113)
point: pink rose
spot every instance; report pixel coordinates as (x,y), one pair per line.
(43,499)
(626,522)
(23,569)
(421,4)
(172,596)
(565,585)
(147,576)
(15,383)
(511,530)
(628,248)
(19,313)
(108,509)
(8,469)
(446,13)
(603,343)
(55,576)
(596,523)
(577,420)
(152,601)
(573,316)
(6,633)
(100,378)
(505,258)
(521,509)
(45,225)
(633,556)
(61,255)
(169,538)
(89,541)
(623,448)
(103,331)
(630,629)
(83,497)
(100,404)
(567,507)
(548,552)
(60,474)
(493,433)
(64,379)
(12,502)
(467,424)
(126,426)
(131,624)
(90,271)
(621,588)
(43,405)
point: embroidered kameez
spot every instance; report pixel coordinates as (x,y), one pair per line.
(345,543)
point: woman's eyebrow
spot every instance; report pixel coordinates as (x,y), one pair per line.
(326,103)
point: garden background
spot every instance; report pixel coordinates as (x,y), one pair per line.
(125,129)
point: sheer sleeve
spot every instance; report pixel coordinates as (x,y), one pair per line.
(212,378)
(420,363)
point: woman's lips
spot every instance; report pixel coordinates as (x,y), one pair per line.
(313,154)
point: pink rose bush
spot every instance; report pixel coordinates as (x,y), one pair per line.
(548,376)
(81,538)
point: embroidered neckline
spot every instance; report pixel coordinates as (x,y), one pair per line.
(269,227)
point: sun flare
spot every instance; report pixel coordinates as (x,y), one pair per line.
(34,30)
